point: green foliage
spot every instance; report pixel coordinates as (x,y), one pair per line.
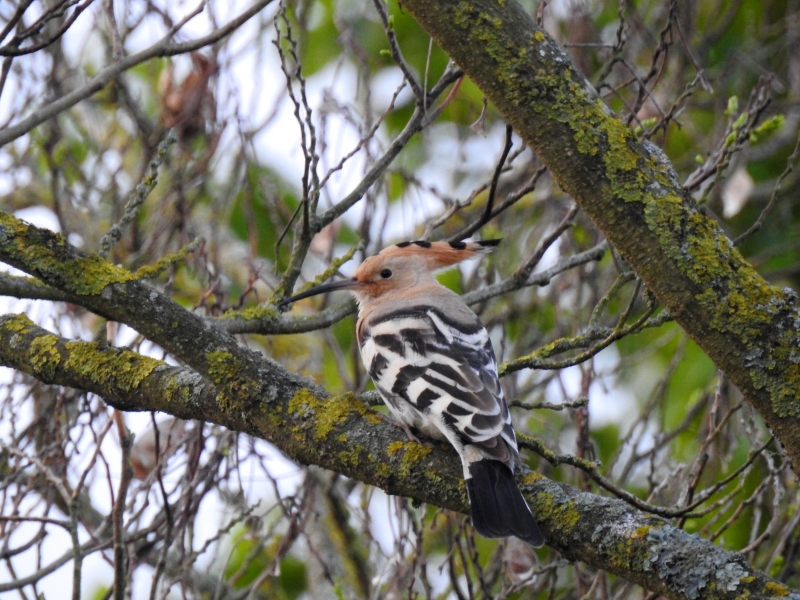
(606,442)
(250,557)
(100,593)
(254,215)
(767,128)
(292,577)
(451,278)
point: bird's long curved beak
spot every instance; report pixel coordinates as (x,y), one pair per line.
(343,284)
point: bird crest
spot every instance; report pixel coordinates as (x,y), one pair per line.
(399,267)
(408,267)
(439,255)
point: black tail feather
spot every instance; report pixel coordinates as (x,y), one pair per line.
(497,506)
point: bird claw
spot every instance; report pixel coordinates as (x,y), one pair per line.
(402,426)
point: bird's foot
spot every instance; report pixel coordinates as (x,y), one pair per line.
(402,426)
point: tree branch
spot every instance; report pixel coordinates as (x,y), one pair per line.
(239,373)
(164,47)
(341,434)
(630,190)
(31,289)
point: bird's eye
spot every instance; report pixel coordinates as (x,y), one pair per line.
(386,273)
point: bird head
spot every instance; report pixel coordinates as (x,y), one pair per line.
(399,268)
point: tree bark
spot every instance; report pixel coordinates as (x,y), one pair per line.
(630,190)
(243,390)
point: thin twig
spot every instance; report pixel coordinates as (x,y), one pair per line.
(524,271)
(397,55)
(487,211)
(118,512)
(512,199)
(773,198)
(139,195)
(11,48)
(164,47)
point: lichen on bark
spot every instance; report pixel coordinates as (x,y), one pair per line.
(627,186)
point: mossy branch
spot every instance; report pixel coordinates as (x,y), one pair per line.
(342,434)
(631,192)
(112,292)
(166,262)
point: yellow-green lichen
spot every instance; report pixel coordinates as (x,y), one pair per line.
(226,370)
(108,366)
(621,142)
(563,516)
(222,366)
(47,252)
(531,477)
(413,453)
(665,219)
(153,271)
(394,447)
(593,130)
(19,324)
(325,414)
(382,470)
(641,532)
(89,276)
(587,140)
(495,22)
(175,391)
(333,412)
(303,403)
(44,356)
(539,36)
(485,28)
(776,590)
(350,456)
(258,312)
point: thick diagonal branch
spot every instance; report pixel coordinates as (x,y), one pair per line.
(629,189)
(241,374)
(341,434)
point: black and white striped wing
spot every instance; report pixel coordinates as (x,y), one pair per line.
(436,374)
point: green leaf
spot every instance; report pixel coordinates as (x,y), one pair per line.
(261,214)
(733,106)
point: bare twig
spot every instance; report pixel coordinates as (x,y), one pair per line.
(773,198)
(139,195)
(397,55)
(164,47)
(118,513)
(487,211)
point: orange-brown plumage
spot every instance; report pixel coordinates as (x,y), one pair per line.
(413,263)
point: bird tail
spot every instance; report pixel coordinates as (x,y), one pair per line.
(497,506)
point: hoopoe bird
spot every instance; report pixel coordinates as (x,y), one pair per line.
(433,364)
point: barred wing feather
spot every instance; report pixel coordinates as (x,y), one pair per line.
(438,375)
